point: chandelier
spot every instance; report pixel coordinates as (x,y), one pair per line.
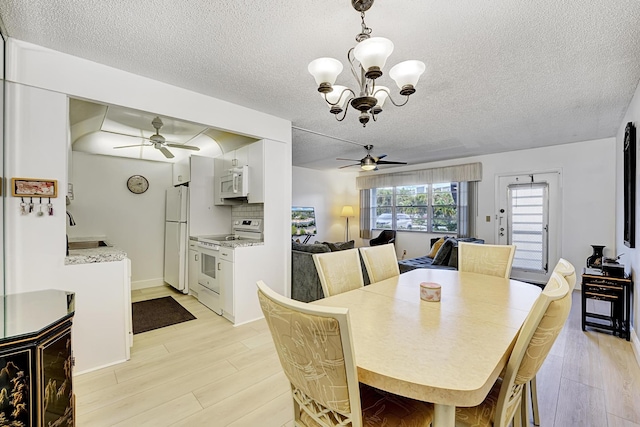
(366,59)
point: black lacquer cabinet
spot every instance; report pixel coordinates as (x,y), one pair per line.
(36,360)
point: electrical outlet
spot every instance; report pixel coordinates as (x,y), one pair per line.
(488,218)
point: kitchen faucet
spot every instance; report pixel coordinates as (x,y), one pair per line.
(71,221)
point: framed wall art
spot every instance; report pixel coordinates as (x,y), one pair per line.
(629,153)
(33,187)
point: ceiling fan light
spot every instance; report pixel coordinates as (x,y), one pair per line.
(368,164)
(407,73)
(373,52)
(325,70)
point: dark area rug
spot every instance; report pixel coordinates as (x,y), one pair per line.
(158,313)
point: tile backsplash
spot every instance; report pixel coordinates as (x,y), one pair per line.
(252,210)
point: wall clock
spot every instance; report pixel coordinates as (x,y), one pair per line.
(137,184)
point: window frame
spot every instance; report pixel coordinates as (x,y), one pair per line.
(394,209)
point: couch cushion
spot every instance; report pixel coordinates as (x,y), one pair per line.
(442,257)
(436,247)
(315,248)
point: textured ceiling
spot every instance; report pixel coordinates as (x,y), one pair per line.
(501,75)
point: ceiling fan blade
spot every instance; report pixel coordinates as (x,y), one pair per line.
(137,145)
(348,166)
(186,147)
(351,160)
(166,152)
(382,156)
(384,162)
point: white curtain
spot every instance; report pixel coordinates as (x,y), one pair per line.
(365,214)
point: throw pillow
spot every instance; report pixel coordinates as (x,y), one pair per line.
(453,257)
(316,248)
(442,257)
(341,246)
(436,247)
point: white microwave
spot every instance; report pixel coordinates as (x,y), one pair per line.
(235,184)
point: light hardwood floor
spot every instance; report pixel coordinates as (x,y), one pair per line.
(205,372)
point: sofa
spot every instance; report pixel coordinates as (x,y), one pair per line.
(443,254)
(305,283)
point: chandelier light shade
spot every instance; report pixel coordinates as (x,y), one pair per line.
(366,59)
(373,54)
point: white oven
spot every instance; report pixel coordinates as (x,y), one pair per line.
(208,279)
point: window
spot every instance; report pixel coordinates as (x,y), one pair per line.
(428,207)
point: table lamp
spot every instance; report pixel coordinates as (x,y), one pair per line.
(347,211)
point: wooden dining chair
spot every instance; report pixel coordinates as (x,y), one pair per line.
(381,262)
(568,271)
(493,260)
(339,271)
(315,348)
(503,404)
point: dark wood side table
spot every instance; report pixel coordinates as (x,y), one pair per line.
(614,290)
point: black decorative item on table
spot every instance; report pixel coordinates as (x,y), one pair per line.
(595,259)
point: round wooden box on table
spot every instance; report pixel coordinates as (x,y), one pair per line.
(430,291)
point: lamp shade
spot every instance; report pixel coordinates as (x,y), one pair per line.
(381,93)
(325,70)
(373,52)
(407,72)
(338,96)
(347,211)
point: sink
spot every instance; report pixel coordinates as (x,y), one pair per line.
(88,244)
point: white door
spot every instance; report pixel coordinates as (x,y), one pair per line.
(529,217)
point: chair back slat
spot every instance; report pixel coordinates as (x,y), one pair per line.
(492,260)
(315,349)
(339,271)
(381,262)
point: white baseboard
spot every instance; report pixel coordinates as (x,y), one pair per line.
(143,284)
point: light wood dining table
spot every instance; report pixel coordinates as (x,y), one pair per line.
(450,352)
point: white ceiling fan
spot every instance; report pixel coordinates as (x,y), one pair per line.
(157,141)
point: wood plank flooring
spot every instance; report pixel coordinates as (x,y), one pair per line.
(205,372)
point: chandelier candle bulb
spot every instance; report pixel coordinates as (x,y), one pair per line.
(430,291)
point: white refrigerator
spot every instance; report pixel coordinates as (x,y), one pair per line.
(175,238)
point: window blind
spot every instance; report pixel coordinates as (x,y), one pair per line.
(458,173)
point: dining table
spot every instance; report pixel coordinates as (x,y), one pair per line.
(448,352)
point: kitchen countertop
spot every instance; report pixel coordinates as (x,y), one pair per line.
(93,255)
(241,243)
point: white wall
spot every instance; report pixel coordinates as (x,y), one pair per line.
(631,257)
(328,192)
(38,82)
(103,206)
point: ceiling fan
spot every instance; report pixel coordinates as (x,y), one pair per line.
(157,141)
(370,162)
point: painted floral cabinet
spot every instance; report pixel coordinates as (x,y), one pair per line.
(36,360)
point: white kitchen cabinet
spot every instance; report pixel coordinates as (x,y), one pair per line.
(226,277)
(181,172)
(255,158)
(193,268)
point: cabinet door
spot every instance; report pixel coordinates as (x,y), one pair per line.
(57,404)
(181,172)
(225,271)
(194,268)
(256,174)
